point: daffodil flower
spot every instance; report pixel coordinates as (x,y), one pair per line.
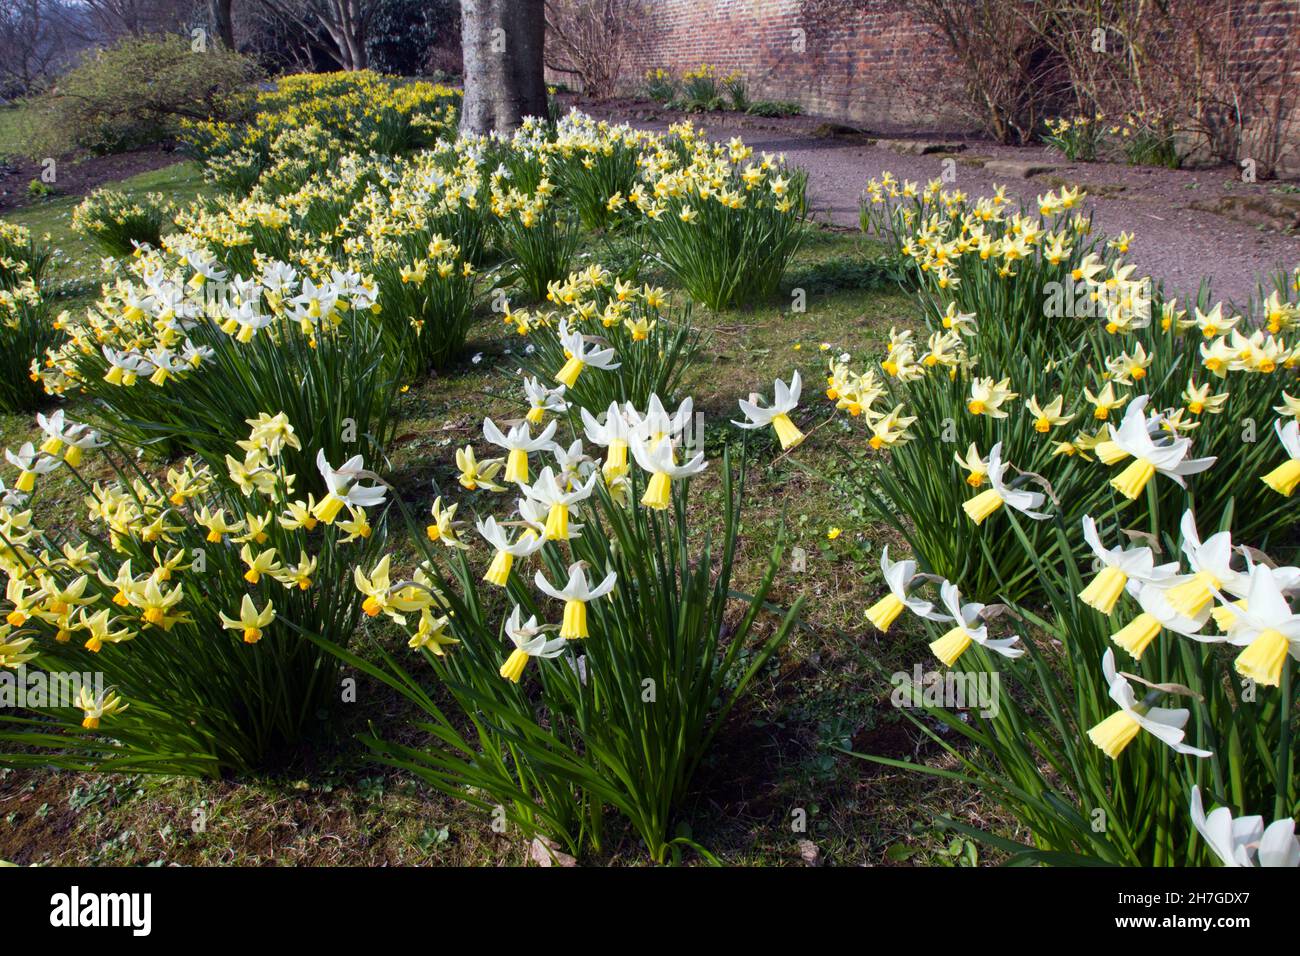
(262,563)
(298,514)
(987,397)
(1245,841)
(542,400)
(1157,615)
(580,356)
(108,704)
(30,463)
(101,630)
(345,488)
(1199,399)
(156,603)
(658,461)
(1047,417)
(1212,324)
(251,621)
(890,429)
(498,572)
(977,468)
(1118,566)
(1266,627)
(1118,730)
(298,576)
(575,595)
(968,629)
(530,640)
(270,433)
(571,463)
(70,438)
(657,424)
(1284,478)
(785,400)
(431,634)
(518,442)
(14,652)
(443,527)
(475,474)
(899,576)
(548,491)
(1105,401)
(999,494)
(1211,570)
(954,320)
(534,514)
(124,367)
(1133,438)
(611,434)
(383,597)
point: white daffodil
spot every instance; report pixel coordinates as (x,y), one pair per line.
(899,576)
(1133,438)
(580,356)
(534,514)
(658,461)
(1118,730)
(656,424)
(785,400)
(571,463)
(999,493)
(67,437)
(969,628)
(542,400)
(611,434)
(1284,478)
(530,640)
(518,442)
(344,488)
(125,367)
(1211,564)
(575,595)
(30,462)
(528,543)
(549,492)
(1244,841)
(1266,627)
(1157,615)
(1118,566)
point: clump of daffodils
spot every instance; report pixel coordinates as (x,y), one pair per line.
(167,565)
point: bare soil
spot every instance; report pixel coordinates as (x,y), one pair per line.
(77,177)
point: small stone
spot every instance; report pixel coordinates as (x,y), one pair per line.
(544,852)
(920,147)
(809,853)
(1009,167)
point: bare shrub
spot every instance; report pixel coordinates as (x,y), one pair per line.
(590,39)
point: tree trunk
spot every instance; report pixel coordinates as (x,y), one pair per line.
(503,43)
(222,22)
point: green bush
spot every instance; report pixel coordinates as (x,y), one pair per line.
(135,93)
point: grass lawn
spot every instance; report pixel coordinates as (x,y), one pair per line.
(77,266)
(826,691)
(10,130)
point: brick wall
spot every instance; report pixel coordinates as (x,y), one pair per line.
(851,69)
(875,67)
(1267,27)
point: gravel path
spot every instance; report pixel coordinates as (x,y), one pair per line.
(1175,241)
